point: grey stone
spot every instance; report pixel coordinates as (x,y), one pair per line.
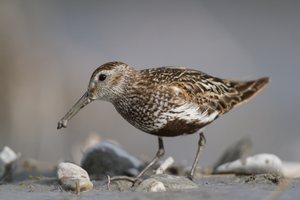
(106,158)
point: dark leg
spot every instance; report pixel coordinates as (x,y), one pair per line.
(159,154)
(201,144)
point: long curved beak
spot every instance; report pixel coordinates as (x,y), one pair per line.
(82,102)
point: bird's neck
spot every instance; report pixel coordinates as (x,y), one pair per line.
(125,88)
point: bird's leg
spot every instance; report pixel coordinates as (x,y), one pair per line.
(159,154)
(201,144)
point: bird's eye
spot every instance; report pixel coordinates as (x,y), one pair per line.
(102,77)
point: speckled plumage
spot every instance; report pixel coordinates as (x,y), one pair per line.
(170,101)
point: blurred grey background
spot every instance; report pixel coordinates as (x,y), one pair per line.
(50,48)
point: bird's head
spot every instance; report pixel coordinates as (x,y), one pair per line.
(107,83)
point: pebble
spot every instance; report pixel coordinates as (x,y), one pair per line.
(257,164)
(151,185)
(7,159)
(73,177)
(165,182)
(106,158)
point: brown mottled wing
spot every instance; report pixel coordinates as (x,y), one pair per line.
(210,93)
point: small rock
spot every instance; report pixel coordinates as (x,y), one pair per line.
(151,185)
(73,177)
(7,159)
(7,155)
(257,164)
(164,182)
(106,158)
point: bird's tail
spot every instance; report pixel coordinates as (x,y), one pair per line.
(248,89)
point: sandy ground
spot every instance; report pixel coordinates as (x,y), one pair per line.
(210,187)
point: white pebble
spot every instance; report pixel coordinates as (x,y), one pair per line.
(257,164)
(73,177)
(151,185)
(7,155)
(7,158)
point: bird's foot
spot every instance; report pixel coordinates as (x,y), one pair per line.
(191,177)
(134,180)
